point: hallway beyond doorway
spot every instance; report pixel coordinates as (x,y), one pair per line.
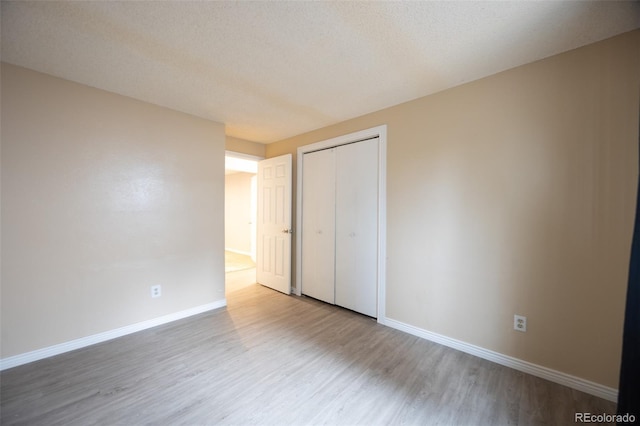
(240,271)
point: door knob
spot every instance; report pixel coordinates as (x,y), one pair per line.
(287,231)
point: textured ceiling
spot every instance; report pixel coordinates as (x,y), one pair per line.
(271,70)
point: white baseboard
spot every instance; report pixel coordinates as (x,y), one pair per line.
(568,380)
(47,352)
(246,253)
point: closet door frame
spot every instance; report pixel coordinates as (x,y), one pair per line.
(381,133)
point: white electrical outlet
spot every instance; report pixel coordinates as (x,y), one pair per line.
(156,291)
(520,323)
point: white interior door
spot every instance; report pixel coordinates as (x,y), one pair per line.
(273,266)
(357,226)
(318,224)
(254,214)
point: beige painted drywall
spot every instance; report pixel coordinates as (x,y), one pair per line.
(237,212)
(515,194)
(245,147)
(102,197)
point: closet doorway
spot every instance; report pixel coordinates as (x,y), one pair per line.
(341,212)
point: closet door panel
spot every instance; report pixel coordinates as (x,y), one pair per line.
(318,225)
(357,226)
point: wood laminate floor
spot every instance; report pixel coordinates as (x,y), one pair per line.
(272,359)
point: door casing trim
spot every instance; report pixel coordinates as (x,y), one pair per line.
(381,133)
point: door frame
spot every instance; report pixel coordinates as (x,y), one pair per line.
(381,133)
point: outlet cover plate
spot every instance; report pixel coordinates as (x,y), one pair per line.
(156,291)
(520,323)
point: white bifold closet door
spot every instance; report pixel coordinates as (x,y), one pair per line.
(357,226)
(319,225)
(340,226)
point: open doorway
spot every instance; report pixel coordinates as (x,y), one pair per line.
(240,220)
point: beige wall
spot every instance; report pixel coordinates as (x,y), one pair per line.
(102,197)
(237,211)
(515,194)
(245,147)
